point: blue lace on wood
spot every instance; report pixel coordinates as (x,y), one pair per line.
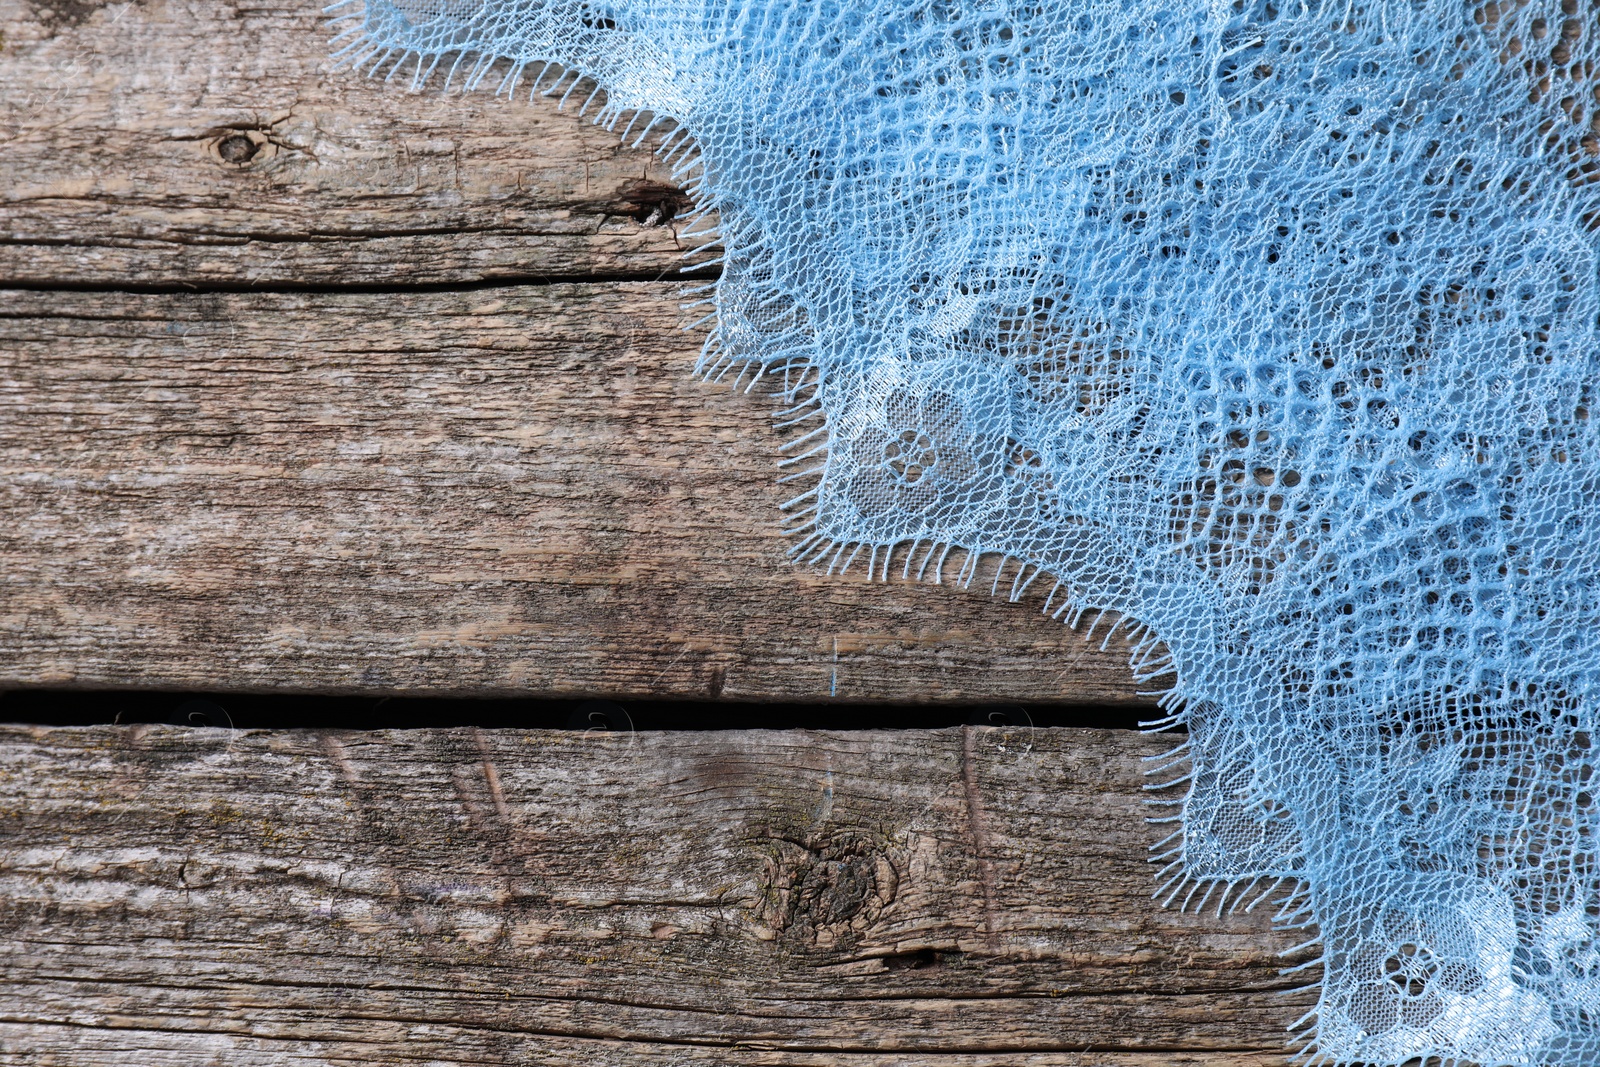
(1267,327)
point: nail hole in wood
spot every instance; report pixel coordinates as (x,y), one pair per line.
(650,203)
(912,961)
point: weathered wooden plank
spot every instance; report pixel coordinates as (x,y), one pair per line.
(497,491)
(459,896)
(182,142)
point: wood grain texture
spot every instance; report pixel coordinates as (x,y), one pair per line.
(194,143)
(517,490)
(966,897)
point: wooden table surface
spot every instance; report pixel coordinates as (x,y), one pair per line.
(309,382)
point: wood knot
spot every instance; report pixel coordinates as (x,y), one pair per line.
(828,891)
(241,148)
(649,203)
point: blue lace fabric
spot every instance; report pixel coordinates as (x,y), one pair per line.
(1269,327)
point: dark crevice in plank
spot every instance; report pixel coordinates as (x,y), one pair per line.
(508,281)
(95,707)
(944,998)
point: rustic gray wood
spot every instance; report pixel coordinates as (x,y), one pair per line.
(971,897)
(492,491)
(188,142)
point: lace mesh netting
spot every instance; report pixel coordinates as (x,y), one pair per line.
(1271,327)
